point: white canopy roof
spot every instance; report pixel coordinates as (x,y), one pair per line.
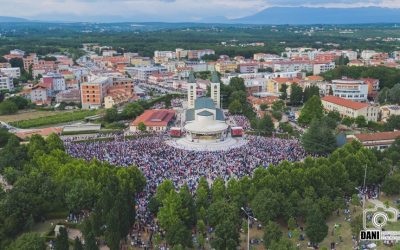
(206,127)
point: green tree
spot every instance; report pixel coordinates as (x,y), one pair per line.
(272,232)
(334,115)
(316,228)
(77,244)
(226,236)
(237,84)
(277,115)
(348,121)
(283,91)
(4,136)
(90,242)
(391,184)
(8,107)
(392,123)
(282,244)
(28,241)
(383,96)
(235,107)
(111,115)
(309,92)
(394,94)
(361,121)
(278,105)
(132,110)
(263,106)
(312,109)
(319,138)
(142,127)
(296,95)
(61,242)
(54,142)
(265,200)
(266,124)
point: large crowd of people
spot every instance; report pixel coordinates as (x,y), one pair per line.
(159,161)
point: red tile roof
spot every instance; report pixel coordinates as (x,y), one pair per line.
(381,136)
(155,117)
(344,102)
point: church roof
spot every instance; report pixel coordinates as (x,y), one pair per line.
(204,103)
(191,79)
(189,115)
(205,113)
(220,115)
(215,77)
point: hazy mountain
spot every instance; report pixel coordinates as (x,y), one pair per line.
(7,19)
(306,15)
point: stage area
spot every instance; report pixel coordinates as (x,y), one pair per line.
(209,145)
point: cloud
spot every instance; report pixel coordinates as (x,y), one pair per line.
(162,10)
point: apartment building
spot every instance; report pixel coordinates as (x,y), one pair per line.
(6,82)
(354,90)
(13,72)
(54,81)
(93,92)
(350,108)
(141,74)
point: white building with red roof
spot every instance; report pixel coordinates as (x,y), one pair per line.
(380,141)
(349,108)
(156,120)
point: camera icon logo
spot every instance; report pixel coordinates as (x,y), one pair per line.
(378,217)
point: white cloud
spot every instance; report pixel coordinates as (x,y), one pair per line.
(163,10)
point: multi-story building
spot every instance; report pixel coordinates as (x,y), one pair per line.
(13,72)
(373,86)
(93,92)
(162,79)
(388,111)
(166,54)
(55,81)
(368,54)
(350,108)
(6,82)
(17,52)
(266,57)
(225,66)
(396,55)
(248,67)
(70,95)
(198,54)
(355,90)
(31,59)
(350,54)
(141,61)
(39,95)
(141,74)
(321,67)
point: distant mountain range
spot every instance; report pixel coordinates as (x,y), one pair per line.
(273,15)
(8,19)
(306,15)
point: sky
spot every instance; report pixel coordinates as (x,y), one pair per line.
(161,10)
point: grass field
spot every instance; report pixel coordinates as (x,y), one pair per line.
(29,115)
(58,118)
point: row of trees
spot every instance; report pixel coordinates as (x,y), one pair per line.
(304,191)
(388,77)
(297,95)
(45,180)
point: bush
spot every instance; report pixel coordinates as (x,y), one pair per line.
(8,107)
